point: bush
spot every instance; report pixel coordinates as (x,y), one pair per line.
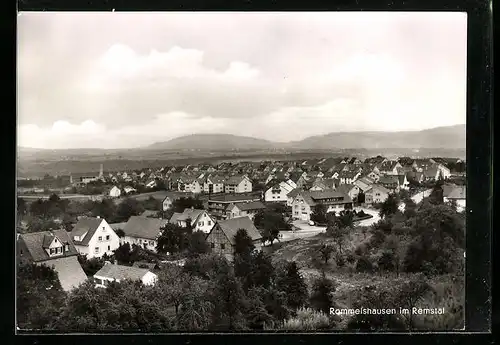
(339,259)
(307,320)
(364,265)
(350,258)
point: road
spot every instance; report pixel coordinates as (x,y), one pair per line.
(306,230)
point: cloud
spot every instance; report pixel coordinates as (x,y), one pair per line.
(276,76)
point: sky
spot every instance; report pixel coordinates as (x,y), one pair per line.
(122,80)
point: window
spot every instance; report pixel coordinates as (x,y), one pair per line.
(209,223)
(100,238)
(96,250)
(103,228)
(109,248)
(222,246)
(52,251)
(212,245)
(66,247)
(152,243)
(107,237)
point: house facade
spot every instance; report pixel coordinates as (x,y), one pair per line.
(217,205)
(143,231)
(304,202)
(118,273)
(221,238)
(278,192)
(93,237)
(238,184)
(53,249)
(200,220)
(213,185)
(247,209)
(115,192)
(376,194)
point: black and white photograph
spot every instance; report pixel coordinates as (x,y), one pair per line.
(190,172)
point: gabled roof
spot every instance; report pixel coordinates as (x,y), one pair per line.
(120,272)
(47,240)
(388,179)
(142,227)
(231,226)
(84,225)
(430,171)
(215,179)
(380,188)
(294,192)
(188,213)
(388,165)
(235,180)
(346,188)
(234,197)
(69,271)
(35,241)
(251,206)
(326,194)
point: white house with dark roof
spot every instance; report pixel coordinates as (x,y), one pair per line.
(238,184)
(118,273)
(200,219)
(376,194)
(213,184)
(143,231)
(247,209)
(53,249)
(115,192)
(304,202)
(278,192)
(94,237)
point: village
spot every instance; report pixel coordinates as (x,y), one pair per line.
(137,224)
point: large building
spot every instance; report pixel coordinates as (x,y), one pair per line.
(305,201)
(218,205)
(93,237)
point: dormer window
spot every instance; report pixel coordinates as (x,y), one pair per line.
(66,247)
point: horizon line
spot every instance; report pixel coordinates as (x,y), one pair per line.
(235,135)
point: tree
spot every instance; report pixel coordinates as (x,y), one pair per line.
(243,243)
(262,269)
(290,281)
(364,264)
(179,205)
(152,204)
(321,297)
(120,233)
(39,296)
(198,244)
(228,299)
(409,294)
(389,206)
(386,262)
(345,219)
(270,222)
(91,266)
(173,238)
(436,197)
(256,313)
(410,208)
(41,224)
(195,307)
(128,208)
(325,252)
(337,233)
(361,197)
(21,207)
(319,214)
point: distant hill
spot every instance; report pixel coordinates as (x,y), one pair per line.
(213,142)
(441,137)
(451,137)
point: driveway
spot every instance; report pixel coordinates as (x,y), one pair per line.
(304,230)
(370,221)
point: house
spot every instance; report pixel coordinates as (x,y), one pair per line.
(189,184)
(218,204)
(94,237)
(391,182)
(238,184)
(213,184)
(278,192)
(348,177)
(389,168)
(115,192)
(53,249)
(422,164)
(143,231)
(415,176)
(113,272)
(247,209)
(129,190)
(167,202)
(200,220)
(376,194)
(350,189)
(457,195)
(403,181)
(221,238)
(364,183)
(376,160)
(151,183)
(304,202)
(431,173)
(291,196)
